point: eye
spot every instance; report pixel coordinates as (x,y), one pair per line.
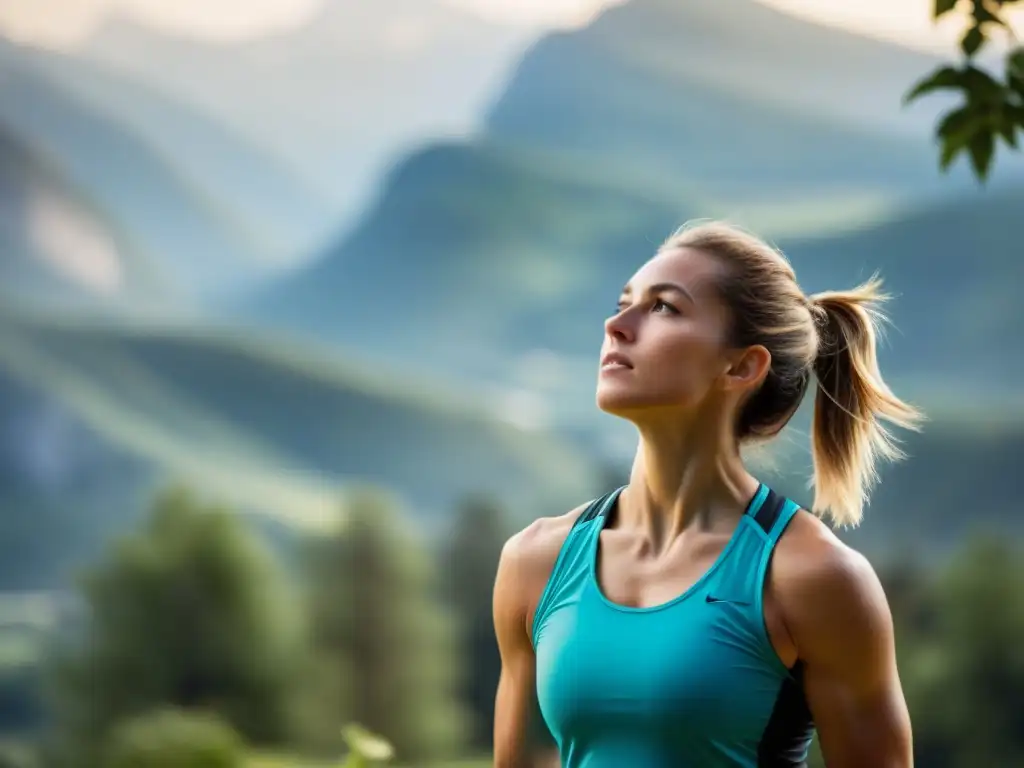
(664,307)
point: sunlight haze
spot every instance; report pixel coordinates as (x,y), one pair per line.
(536,13)
(67,23)
(64,24)
(908,22)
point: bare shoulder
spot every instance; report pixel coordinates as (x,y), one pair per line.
(532,552)
(810,554)
(810,558)
(828,591)
(527,560)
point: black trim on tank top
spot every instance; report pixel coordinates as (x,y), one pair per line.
(790,728)
(595,509)
(766,517)
(789,731)
(770,510)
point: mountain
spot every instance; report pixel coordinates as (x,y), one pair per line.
(954,316)
(478,253)
(57,247)
(97,415)
(64,491)
(731,96)
(742,48)
(164,216)
(322,97)
(489,264)
(467,240)
(952,319)
(284,219)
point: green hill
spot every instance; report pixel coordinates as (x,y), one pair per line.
(268,426)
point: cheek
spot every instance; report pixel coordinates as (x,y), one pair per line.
(691,380)
(693,359)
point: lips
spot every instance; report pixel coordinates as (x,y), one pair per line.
(615,360)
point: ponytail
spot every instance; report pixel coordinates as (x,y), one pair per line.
(848,435)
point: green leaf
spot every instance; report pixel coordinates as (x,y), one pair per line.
(982,148)
(941,79)
(949,153)
(972,40)
(1015,61)
(1007,122)
(982,14)
(982,87)
(956,131)
(367,745)
(1015,70)
(1014,115)
(944,6)
(1008,130)
(958,125)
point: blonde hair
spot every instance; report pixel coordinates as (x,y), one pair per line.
(830,337)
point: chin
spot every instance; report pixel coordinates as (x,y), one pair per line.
(637,405)
(616,402)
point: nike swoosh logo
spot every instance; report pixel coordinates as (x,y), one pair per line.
(713,599)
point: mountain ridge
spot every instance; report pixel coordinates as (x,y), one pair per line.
(493,249)
(444,60)
(158,208)
(768,49)
(266,425)
(37,249)
(248,181)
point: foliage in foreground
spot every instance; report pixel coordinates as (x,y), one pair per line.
(991,105)
(172,738)
(17,756)
(191,612)
(386,652)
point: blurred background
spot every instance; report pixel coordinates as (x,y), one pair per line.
(300,308)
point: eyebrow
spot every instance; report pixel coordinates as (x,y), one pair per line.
(660,287)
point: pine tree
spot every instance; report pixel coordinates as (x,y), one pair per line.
(469,563)
(387,649)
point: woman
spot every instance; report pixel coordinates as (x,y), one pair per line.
(695,618)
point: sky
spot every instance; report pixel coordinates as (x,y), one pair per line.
(66,23)
(908,22)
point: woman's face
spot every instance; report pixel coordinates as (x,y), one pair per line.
(667,345)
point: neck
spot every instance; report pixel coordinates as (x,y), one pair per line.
(681,477)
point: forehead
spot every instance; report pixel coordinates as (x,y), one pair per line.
(694,270)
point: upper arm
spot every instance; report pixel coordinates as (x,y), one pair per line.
(516,684)
(523,571)
(837,613)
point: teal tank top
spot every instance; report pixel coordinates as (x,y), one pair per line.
(691,683)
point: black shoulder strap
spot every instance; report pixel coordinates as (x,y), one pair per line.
(597,508)
(769,511)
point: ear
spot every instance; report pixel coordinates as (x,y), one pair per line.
(748,368)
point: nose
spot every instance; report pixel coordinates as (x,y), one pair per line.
(620,326)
